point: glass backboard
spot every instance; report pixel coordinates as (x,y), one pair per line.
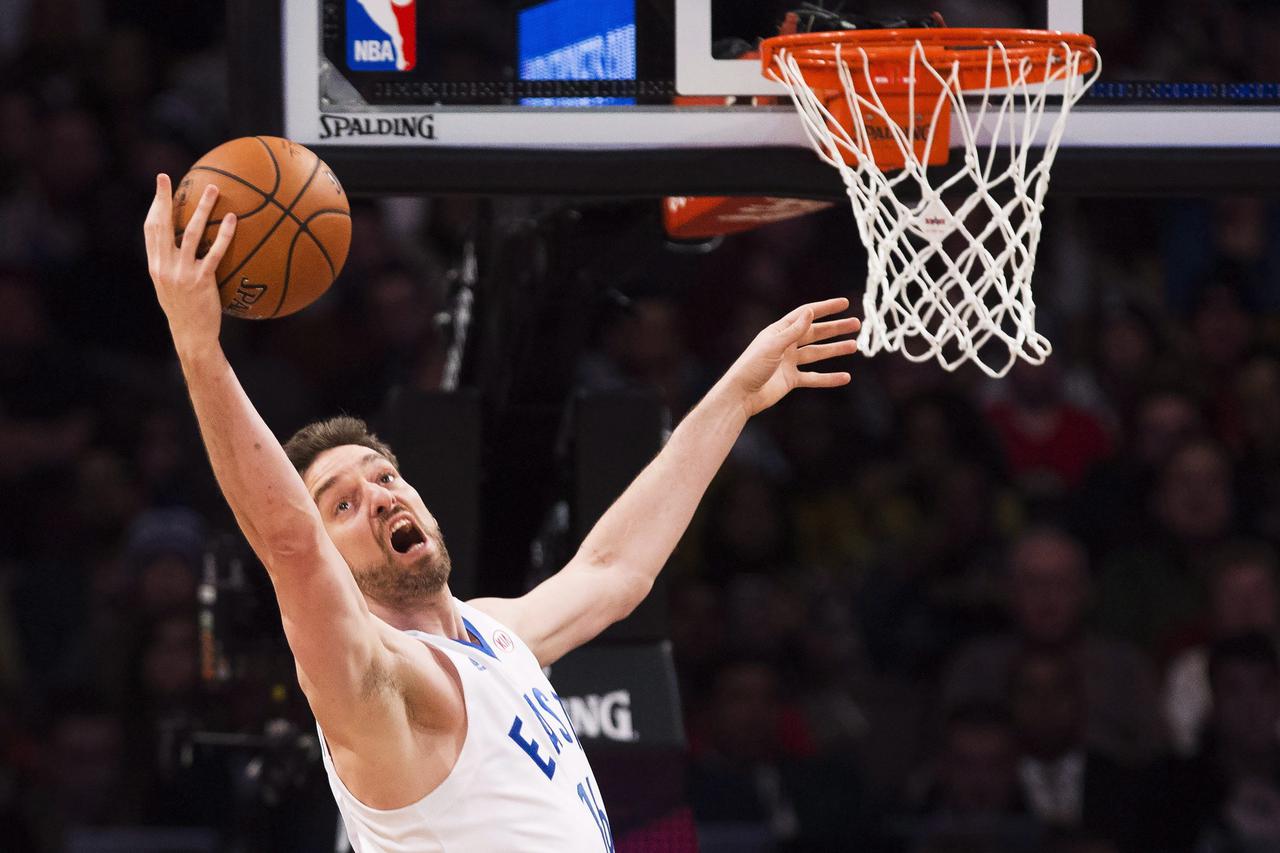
(653,97)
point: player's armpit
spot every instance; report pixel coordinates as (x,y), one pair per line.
(359,674)
(401,741)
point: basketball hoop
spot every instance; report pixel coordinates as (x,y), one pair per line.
(950,254)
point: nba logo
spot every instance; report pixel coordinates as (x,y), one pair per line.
(382,35)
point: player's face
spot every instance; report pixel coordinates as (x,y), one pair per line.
(379,524)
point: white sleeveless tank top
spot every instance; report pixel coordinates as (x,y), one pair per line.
(521,782)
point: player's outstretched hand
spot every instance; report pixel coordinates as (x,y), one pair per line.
(185,284)
(770,367)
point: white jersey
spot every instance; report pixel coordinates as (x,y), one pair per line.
(521,782)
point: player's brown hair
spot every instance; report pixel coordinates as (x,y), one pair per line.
(315,438)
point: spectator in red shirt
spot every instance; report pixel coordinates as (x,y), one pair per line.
(1050,443)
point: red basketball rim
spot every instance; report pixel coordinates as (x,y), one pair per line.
(942,47)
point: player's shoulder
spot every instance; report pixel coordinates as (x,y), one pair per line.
(407,687)
(497,610)
(497,620)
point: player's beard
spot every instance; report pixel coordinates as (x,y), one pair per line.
(404,585)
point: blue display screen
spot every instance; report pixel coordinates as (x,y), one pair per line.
(578,40)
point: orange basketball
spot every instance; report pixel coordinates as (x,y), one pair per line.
(293,224)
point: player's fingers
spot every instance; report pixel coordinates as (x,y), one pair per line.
(159,221)
(818,352)
(226,230)
(200,218)
(827,307)
(164,200)
(832,328)
(791,329)
(810,379)
(149,232)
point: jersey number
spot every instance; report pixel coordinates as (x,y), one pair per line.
(587,793)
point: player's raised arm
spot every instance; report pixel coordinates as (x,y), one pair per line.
(619,559)
(326,619)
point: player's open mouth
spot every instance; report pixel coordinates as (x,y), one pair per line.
(405,536)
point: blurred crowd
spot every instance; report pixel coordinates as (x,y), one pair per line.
(1223,41)
(929,612)
(1030,614)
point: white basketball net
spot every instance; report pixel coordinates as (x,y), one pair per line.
(950,281)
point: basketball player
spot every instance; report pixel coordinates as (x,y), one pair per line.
(440,730)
